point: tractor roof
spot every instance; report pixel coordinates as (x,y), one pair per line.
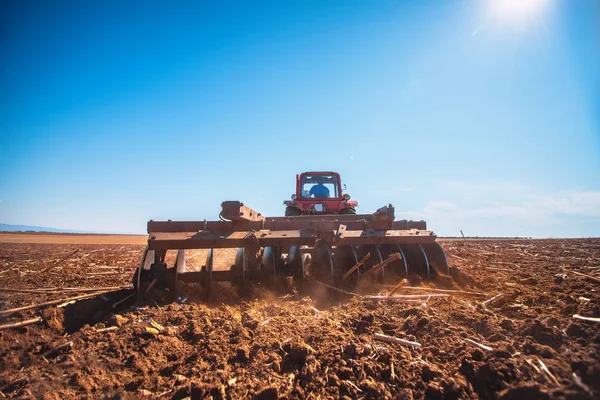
(320,173)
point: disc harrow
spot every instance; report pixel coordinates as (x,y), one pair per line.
(340,250)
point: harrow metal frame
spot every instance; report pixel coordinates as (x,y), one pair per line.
(252,233)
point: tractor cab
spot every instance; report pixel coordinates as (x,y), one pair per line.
(319,186)
(319,193)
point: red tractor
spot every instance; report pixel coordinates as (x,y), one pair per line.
(319,193)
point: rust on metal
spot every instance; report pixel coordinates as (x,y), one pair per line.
(340,231)
(215,239)
(384,213)
(277,224)
(237,211)
(299,247)
(268,238)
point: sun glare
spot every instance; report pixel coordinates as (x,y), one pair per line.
(516,11)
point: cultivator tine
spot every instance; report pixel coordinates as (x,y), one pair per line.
(437,258)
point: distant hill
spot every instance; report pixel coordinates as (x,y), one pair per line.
(30,228)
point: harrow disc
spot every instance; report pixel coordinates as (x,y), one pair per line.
(148,258)
(239,259)
(321,265)
(208,268)
(416,260)
(333,249)
(438,263)
(375,259)
(344,259)
(296,265)
(398,267)
(272,265)
(137,280)
(238,269)
(180,261)
(179,269)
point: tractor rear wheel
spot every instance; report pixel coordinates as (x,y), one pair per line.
(292,212)
(348,211)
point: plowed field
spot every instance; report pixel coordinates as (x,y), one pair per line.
(515,338)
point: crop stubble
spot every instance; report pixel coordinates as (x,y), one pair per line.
(301,346)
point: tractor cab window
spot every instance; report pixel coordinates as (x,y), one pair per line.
(319,186)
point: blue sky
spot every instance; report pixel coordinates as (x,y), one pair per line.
(464,113)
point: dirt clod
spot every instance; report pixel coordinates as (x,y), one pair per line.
(576,330)
(116,320)
(524,391)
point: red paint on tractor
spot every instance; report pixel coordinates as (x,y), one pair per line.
(306,202)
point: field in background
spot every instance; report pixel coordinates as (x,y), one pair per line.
(70,238)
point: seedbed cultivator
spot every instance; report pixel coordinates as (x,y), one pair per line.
(338,250)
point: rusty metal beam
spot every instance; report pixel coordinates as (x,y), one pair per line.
(237,211)
(215,239)
(273,225)
(212,239)
(372,237)
(243,218)
(404,225)
(284,223)
(383,214)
